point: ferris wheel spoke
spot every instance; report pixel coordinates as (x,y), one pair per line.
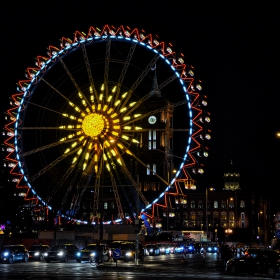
(117,196)
(46,128)
(136,188)
(124,69)
(139,102)
(107,62)
(56,90)
(61,181)
(142,116)
(151,93)
(158,129)
(140,78)
(44,147)
(43,107)
(51,165)
(166,82)
(151,170)
(91,81)
(78,201)
(73,80)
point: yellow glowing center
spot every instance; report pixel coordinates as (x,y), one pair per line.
(93,124)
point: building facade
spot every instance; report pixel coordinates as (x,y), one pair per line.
(230,214)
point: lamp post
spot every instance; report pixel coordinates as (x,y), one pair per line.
(206,207)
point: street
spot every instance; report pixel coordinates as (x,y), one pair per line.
(153,267)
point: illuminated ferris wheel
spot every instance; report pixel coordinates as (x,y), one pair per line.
(110,120)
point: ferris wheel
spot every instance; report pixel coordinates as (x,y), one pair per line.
(110,120)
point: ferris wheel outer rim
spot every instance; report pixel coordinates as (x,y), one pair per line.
(43,68)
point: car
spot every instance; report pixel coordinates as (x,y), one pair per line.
(62,253)
(212,248)
(88,253)
(36,252)
(190,249)
(179,248)
(128,250)
(152,250)
(261,261)
(164,248)
(172,248)
(13,253)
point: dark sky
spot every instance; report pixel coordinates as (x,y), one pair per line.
(233,47)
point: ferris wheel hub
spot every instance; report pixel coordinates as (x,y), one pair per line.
(93,124)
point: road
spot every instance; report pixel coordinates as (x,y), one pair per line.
(164,266)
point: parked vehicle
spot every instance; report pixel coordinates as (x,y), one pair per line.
(164,248)
(128,250)
(172,248)
(190,249)
(62,253)
(13,253)
(36,252)
(179,248)
(212,248)
(152,250)
(256,261)
(89,253)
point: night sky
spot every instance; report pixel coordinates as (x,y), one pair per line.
(234,49)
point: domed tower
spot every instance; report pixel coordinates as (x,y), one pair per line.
(231,179)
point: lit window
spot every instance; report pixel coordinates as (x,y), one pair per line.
(223,216)
(215,204)
(154,169)
(192,218)
(231,220)
(152,140)
(231,204)
(242,204)
(105,205)
(148,169)
(223,204)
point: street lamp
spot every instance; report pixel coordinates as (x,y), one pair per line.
(206,207)
(228,231)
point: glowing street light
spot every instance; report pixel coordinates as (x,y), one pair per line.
(206,207)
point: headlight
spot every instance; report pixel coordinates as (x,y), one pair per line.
(45,254)
(61,253)
(78,254)
(36,254)
(92,254)
(129,254)
(6,254)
